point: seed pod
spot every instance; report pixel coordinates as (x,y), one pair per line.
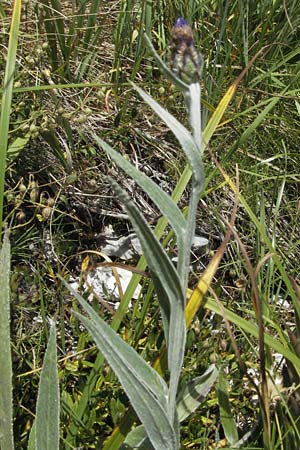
(46,212)
(22,188)
(34,191)
(20,216)
(50,201)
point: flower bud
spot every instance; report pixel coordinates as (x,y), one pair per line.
(186,62)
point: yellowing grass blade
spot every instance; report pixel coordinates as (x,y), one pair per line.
(201,289)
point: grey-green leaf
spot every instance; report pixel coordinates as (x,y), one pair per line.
(6,409)
(162,200)
(184,137)
(163,270)
(137,439)
(195,392)
(146,390)
(31,440)
(48,407)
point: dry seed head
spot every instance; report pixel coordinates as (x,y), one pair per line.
(213,357)
(46,72)
(18,201)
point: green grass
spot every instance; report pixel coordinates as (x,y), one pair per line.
(67,74)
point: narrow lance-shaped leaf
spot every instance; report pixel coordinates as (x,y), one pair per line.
(128,356)
(189,399)
(157,258)
(195,392)
(181,133)
(162,200)
(48,407)
(137,439)
(191,149)
(6,402)
(144,387)
(163,269)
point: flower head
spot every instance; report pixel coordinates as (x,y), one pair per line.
(185,60)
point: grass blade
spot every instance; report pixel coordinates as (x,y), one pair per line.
(227,418)
(47,409)
(7,96)
(6,409)
(252,329)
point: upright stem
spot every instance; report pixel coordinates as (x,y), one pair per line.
(193,104)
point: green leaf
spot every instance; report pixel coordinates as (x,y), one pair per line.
(6,401)
(48,407)
(227,418)
(195,392)
(17,146)
(146,390)
(189,398)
